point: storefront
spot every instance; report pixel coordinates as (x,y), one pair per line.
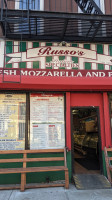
(54,96)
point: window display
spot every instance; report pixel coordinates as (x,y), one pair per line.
(41,127)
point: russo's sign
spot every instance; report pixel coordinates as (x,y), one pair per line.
(60,51)
(40,54)
(35,53)
(59,57)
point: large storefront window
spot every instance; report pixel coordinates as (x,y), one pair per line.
(12,121)
(41,126)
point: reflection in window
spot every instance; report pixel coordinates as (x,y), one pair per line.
(97,2)
(32,5)
(29,25)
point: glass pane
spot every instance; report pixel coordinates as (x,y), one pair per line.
(97,2)
(12,121)
(33,4)
(47,121)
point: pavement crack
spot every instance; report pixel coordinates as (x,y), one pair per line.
(10,195)
(66,195)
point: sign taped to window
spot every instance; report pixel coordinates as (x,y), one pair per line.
(12,121)
(47,121)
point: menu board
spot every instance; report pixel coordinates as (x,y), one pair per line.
(47,121)
(12,121)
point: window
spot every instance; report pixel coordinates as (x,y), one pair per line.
(39,126)
(33,4)
(84,25)
(29,25)
(100,4)
(97,2)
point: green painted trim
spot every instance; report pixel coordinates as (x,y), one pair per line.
(100,67)
(110,50)
(74,45)
(87,46)
(100,48)
(48,44)
(110,67)
(75,68)
(75,59)
(48,58)
(9,45)
(104,164)
(48,67)
(61,67)
(22,46)
(69,164)
(7,59)
(22,65)
(8,65)
(35,64)
(87,65)
(35,177)
(61,57)
(35,44)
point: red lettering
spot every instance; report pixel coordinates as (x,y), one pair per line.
(54,52)
(42,51)
(73,52)
(61,52)
(67,52)
(49,51)
(81,53)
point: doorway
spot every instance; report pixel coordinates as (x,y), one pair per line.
(85,140)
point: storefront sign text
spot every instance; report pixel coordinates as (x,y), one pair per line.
(56,73)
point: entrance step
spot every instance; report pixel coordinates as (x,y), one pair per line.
(91,181)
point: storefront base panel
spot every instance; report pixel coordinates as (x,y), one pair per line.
(34,177)
(104,164)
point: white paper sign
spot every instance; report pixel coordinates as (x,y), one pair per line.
(47,121)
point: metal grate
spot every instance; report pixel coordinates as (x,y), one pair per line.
(29,24)
(59,26)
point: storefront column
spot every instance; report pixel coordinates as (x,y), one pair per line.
(68,121)
(106,120)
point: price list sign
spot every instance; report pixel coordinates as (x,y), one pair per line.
(12,121)
(47,121)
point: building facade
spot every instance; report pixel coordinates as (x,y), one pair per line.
(56,82)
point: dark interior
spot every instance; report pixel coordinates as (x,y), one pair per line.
(85,141)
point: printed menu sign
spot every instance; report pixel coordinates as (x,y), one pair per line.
(47,121)
(12,121)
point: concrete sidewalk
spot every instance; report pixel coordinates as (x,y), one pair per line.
(58,193)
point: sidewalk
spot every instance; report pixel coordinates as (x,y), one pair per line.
(58,193)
